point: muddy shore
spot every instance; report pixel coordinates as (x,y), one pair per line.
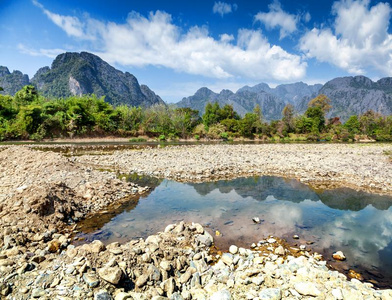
(44,194)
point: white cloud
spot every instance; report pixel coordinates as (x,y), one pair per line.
(223,8)
(155,40)
(51,53)
(359,40)
(277,18)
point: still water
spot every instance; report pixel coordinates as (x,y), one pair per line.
(357,223)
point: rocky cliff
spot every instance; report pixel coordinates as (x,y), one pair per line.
(356,95)
(12,82)
(86,73)
(76,74)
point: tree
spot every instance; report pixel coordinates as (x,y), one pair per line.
(288,117)
(353,126)
(321,101)
(211,114)
(1,89)
(27,95)
(316,114)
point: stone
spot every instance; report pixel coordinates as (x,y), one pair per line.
(142,280)
(337,293)
(270,294)
(111,274)
(307,289)
(185,277)
(165,265)
(97,246)
(91,279)
(38,293)
(233,249)
(198,228)
(271,240)
(280,251)
(102,295)
(122,296)
(205,239)
(5,289)
(295,237)
(227,258)
(355,275)
(339,256)
(153,239)
(221,295)
(6,262)
(256,220)
(169,227)
(168,286)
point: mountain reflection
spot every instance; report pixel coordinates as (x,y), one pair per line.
(259,188)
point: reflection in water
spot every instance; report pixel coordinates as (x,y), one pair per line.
(357,223)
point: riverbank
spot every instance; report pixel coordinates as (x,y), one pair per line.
(359,166)
(44,194)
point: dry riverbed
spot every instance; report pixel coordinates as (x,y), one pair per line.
(43,194)
(360,166)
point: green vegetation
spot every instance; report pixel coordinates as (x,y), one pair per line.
(28,115)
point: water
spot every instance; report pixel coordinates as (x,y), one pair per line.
(357,223)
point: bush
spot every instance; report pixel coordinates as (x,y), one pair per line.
(162,138)
(137,140)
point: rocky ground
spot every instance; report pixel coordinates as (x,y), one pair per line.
(43,194)
(361,166)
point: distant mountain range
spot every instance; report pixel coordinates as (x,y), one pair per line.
(349,96)
(86,73)
(82,73)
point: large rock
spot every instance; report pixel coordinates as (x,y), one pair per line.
(111,274)
(307,289)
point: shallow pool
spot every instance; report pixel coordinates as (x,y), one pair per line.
(357,223)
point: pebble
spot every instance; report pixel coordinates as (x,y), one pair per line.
(233,249)
(339,256)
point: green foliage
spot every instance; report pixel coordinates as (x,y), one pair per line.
(29,116)
(316,114)
(353,125)
(137,140)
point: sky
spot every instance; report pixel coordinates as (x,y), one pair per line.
(176,47)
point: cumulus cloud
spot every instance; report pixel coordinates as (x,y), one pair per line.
(278,18)
(156,40)
(223,8)
(358,40)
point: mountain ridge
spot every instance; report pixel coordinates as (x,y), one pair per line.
(76,74)
(350,95)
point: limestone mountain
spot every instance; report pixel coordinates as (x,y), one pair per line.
(271,100)
(86,73)
(354,96)
(12,82)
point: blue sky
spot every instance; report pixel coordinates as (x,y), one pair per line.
(176,47)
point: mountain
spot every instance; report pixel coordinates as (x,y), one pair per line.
(85,73)
(271,100)
(12,82)
(75,74)
(354,96)
(349,96)
(289,93)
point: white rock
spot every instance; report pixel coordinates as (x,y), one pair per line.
(337,293)
(233,249)
(307,289)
